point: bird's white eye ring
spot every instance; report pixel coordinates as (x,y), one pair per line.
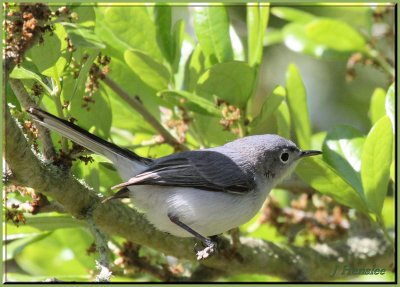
(284,157)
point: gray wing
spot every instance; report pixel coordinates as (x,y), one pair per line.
(204,169)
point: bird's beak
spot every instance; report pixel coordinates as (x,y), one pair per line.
(305,153)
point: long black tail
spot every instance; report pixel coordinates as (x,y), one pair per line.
(84,138)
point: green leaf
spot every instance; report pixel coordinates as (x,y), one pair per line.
(297,101)
(342,150)
(178,34)
(211,25)
(231,82)
(22,73)
(123,28)
(148,69)
(273,37)
(257,20)
(56,71)
(125,77)
(375,163)
(43,223)
(390,110)
(86,15)
(194,68)
(377,106)
(50,223)
(16,246)
(89,119)
(237,45)
(283,120)
(10,98)
(389,212)
(82,36)
(323,178)
(295,39)
(78,240)
(293,15)
(270,105)
(108,175)
(59,66)
(79,83)
(46,55)
(90,173)
(211,132)
(317,140)
(390,105)
(162,18)
(63,252)
(193,102)
(335,34)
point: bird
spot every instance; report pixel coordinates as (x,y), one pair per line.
(198,193)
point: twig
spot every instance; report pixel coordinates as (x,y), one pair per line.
(52,206)
(162,274)
(235,235)
(104,274)
(101,240)
(374,55)
(130,259)
(138,106)
(26,101)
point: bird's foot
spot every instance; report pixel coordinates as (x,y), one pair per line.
(210,249)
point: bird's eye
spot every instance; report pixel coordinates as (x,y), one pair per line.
(284,157)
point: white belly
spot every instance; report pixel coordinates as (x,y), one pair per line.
(207,212)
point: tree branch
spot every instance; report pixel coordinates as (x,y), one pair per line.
(26,101)
(293,263)
(103,264)
(381,61)
(138,106)
(205,274)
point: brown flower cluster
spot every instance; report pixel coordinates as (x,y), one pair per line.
(315,217)
(38,200)
(32,133)
(127,256)
(356,58)
(24,24)
(37,89)
(231,116)
(179,124)
(13,212)
(97,72)
(382,27)
(133,262)
(15,215)
(34,202)
(65,158)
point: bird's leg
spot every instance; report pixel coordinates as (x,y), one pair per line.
(210,245)
(122,193)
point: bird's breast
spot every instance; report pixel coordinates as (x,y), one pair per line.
(207,212)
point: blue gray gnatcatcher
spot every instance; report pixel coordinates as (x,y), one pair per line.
(197,193)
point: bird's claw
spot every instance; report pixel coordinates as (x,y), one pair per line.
(206,252)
